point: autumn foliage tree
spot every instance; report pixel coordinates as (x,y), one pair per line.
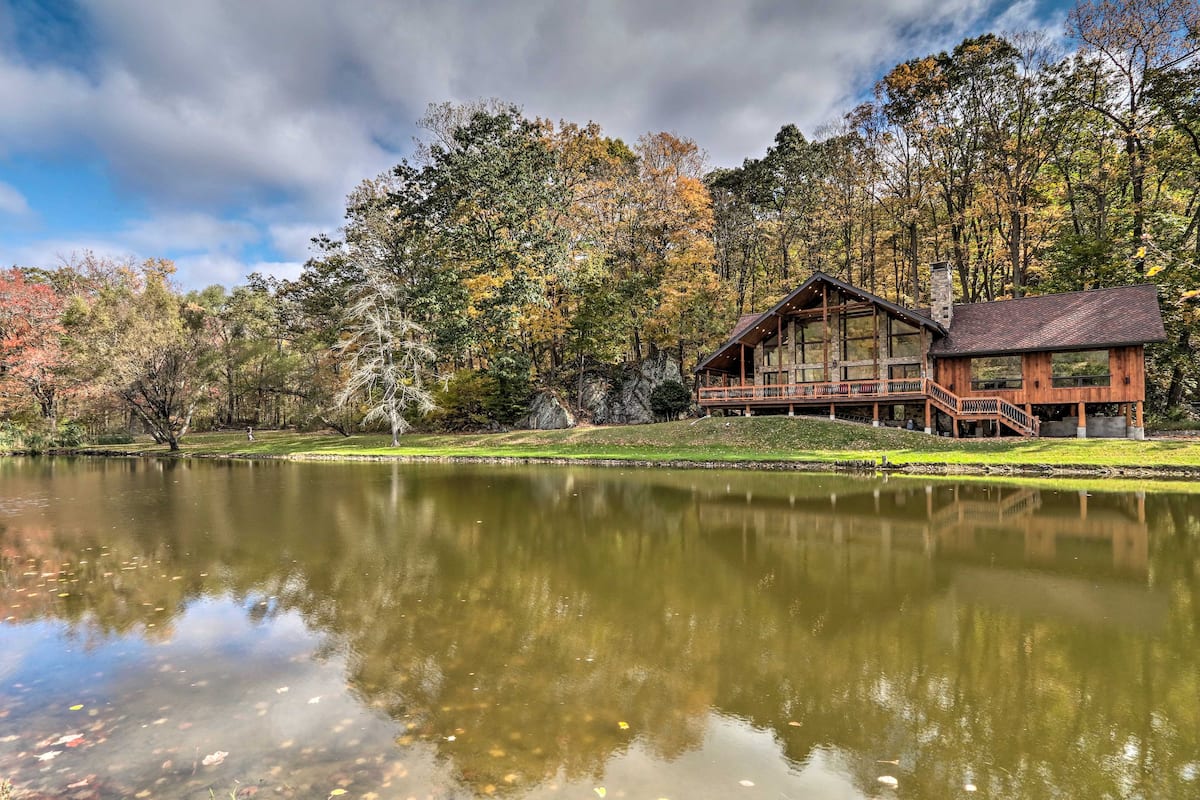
(149,347)
(31,349)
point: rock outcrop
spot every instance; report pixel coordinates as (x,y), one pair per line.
(547,413)
(623,398)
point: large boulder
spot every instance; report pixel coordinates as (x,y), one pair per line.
(624,397)
(547,413)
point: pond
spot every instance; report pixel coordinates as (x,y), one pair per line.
(197,629)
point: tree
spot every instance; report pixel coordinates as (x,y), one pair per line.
(143,342)
(669,398)
(386,356)
(1126,43)
(31,331)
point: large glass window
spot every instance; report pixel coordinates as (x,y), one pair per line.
(810,341)
(861,373)
(858,338)
(1082,368)
(898,371)
(772,351)
(996,372)
(810,375)
(904,339)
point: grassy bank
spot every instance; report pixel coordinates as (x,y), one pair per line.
(734,440)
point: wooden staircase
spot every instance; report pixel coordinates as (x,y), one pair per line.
(974,409)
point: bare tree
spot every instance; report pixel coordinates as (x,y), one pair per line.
(387,357)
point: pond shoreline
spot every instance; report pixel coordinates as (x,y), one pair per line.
(1156,472)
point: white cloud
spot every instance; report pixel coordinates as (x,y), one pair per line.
(270,112)
(12,202)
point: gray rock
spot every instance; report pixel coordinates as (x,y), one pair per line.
(547,413)
(595,401)
(625,400)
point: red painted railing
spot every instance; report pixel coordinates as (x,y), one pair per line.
(833,390)
(878,389)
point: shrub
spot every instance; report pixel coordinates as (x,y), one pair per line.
(513,388)
(465,401)
(70,434)
(12,436)
(669,398)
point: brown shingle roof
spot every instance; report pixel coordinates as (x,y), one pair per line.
(744,322)
(1123,315)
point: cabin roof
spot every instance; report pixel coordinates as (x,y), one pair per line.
(1120,316)
(751,329)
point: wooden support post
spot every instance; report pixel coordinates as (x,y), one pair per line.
(875,414)
(875,342)
(832,415)
(954,424)
(825,317)
(1081,424)
(1139,426)
(747,412)
(928,417)
(791,409)
(743,360)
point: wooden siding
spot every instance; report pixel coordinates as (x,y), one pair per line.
(1038,385)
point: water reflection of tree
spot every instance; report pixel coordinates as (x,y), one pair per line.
(525,613)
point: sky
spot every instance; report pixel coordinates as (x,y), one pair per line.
(225,134)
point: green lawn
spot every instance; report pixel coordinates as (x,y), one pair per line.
(734,439)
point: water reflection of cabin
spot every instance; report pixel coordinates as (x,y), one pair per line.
(1058,364)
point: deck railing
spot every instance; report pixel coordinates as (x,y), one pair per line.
(868,389)
(878,389)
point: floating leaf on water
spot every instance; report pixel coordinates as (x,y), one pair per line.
(312,701)
(600,791)
(794,724)
(70,737)
(77,707)
(970,787)
(888,780)
(49,756)
(337,792)
(451,738)
(281,690)
(623,726)
(64,594)
(213,759)
(746,783)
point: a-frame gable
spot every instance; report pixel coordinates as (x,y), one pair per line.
(754,332)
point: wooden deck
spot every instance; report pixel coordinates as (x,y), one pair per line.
(871,392)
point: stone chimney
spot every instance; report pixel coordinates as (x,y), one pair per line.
(941,291)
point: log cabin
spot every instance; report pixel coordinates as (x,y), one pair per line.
(1070,364)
